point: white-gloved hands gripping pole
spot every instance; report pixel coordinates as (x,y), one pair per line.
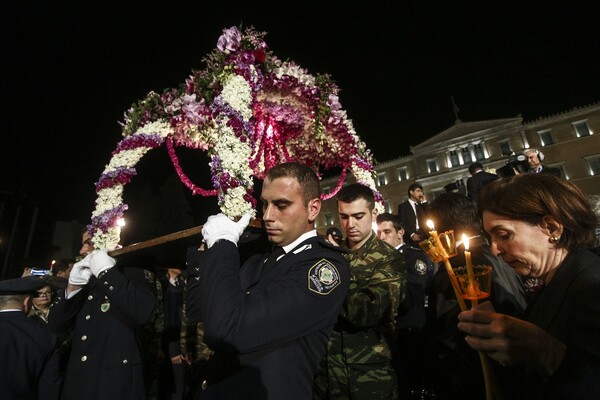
(220,227)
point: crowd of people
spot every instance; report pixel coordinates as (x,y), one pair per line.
(367,315)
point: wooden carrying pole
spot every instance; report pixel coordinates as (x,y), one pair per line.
(256,223)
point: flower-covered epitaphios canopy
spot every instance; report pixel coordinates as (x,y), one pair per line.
(250,111)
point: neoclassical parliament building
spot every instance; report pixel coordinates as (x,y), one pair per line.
(570,141)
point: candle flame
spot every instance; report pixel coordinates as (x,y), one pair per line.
(429,224)
(465,240)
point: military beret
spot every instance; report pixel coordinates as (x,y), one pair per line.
(28,284)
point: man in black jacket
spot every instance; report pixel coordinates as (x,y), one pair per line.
(479,179)
(413,214)
(29,367)
(268,322)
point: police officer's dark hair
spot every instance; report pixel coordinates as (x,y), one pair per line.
(306,177)
(356,191)
(394,219)
(454,211)
(476,166)
(413,187)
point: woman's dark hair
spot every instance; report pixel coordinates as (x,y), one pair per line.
(530,197)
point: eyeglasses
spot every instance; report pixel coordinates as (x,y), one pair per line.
(45,293)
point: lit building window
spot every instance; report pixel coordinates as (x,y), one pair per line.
(505,147)
(432,165)
(381,179)
(328,219)
(466,155)
(388,206)
(545,137)
(594,164)
(454,159)
(561,169)
(402,174)
(582,128)
(478,150)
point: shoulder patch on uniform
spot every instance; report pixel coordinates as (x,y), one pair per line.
(420,267)
(323,277)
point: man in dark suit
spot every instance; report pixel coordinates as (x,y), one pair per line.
(479,179)
(413,214)
(29,367)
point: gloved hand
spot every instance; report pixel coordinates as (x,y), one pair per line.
(100,261)
(219,227)
(80,273)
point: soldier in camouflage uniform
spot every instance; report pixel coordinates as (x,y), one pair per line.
(358,364)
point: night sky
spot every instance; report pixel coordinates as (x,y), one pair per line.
(70,71)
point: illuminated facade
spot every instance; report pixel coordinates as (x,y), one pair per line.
(570,141)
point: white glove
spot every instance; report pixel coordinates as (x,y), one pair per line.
(100,261)
(80,273)
(219,227)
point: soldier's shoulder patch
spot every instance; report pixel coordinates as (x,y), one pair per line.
(323,277)
(420,267)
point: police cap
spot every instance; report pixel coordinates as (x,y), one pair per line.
(26,285)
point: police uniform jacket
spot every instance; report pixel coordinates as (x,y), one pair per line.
(419,276)
(28,359)
(106,316)
(268,329)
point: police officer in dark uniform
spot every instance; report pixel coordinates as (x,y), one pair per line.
(412,314)
(268,322)
(106,309)
(29,364)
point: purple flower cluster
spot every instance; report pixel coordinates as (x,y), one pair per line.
(241,129)
(223,180)
(290,84)
(119,176)
(196,112)
(141,140)
(230,40)
(107,219)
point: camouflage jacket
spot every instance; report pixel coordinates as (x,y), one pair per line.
(377,286)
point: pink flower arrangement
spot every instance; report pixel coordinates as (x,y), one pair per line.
(249,111)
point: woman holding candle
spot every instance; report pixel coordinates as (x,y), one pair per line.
(457,366)
(541,225)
